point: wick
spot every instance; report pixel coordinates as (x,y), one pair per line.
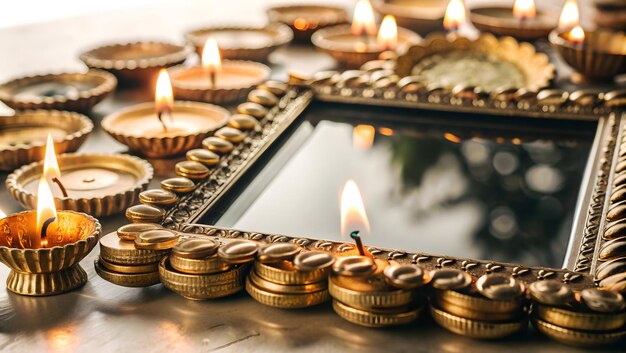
(160,116)
(365,40)
(359,244)
(60,184)
(44,229)
(522,21)
(212,77)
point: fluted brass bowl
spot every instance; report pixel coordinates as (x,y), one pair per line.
(49,270)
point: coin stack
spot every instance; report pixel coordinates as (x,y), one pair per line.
(591,318)
(130,256)
(373,293)
(202,268)
(492,308)
(284,277)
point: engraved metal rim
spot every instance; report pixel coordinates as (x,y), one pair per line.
(281,35)
(475,328)
(369,300)
(16,155)
(374,319)
(588,321)
(178,55)
(85,99)
(99,206)
(576,337)
(286,300)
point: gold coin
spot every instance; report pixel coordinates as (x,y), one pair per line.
(129,269)
(475,301)
(277,252)
(577,337)
(586,321)
(192,170)
(195,248)
(158,197)
(449,278)
(470,313)
(313,260)
(207,265)
(230,134)
(374,318)
(179,185)
(204,156)
(475,328)
(550,292)
(158,239)
(603,301)
(285,273)
(127,280)
(370,300)
(217,145)
(238,251)
(123,252)
(263,97)
(256,110)
(405,276)
(499,287)
(286,288)
(205,286)
(145,214)
(243,122)
(372,283)
(276,87)
(353,266)
(130,231)
(284,300)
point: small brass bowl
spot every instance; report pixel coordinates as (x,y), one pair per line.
(137,62)
(123,178)
(51,270)
(65,91)
(421,16)
(500,21)
(306,19)
(600,57)
(23,136)
(242,43)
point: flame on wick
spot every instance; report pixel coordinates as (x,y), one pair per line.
(524,9)
(50,165)
(164,97)
(570,17)
(363,21)
(454,16)
(388,33)
(576,35)
(46,211)
(363,137)
(353,216)
(211,58)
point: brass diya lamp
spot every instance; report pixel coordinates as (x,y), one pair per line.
(353,45)
(43,248)
(23,135)
(215,80)
(65,91)
(97,184)
(306,19)
(166,127)
(522,21)
(421,16)
(242,43)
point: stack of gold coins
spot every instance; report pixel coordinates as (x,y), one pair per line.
(284,277)
(130,257)
(491,308)
(201,268)
(374,293)
(591,318)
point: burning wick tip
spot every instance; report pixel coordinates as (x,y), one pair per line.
(359,244)
(44,228)
(160,116)
(61,186)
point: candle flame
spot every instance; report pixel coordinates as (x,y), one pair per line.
(211,58)
(576,35)
(363,21)
(50,164)
(570,17)
(353,216)
(454,16)
(524,9)
(363,137)
(388,33)
(164,98)
(45,207)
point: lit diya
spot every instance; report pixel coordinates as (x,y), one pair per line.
(165,127)
(43,248)
(306,19)
(595,55)
(421,16)
(523,21)
(97,184)
(215,80)
(353,45)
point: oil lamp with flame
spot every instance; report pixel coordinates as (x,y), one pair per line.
(454,16)
(353,217)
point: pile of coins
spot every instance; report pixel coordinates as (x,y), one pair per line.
(284,277)
(130,256)
(201,268)
(373,293)
(493,307)
(590,318)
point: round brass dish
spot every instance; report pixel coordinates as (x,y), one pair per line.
(306,19)
(23,136)
(600,57)
(243,43)
(502,62)
(500,21)
(421,16)
(65,91)
(132,172)
(51,270)
(135,62)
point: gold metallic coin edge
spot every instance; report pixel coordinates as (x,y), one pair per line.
(188,279)
(202,266)
(476,303)
(373,319)
(586,321)
(178,189)
(162,245)
(473,314)
(270,286)
(576,337)
(130,256)
(284,300)
(280,276)
(475,328)
(126,237)
(129,269)
(205,292)
(370,300)
(127,280)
